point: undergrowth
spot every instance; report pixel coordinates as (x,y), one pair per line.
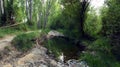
(23,42)
(99,54)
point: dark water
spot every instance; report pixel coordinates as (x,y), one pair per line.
(69,48)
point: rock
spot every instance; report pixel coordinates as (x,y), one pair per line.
(7,65)
(76,63)
(38,57)
(54,33)
(33,55)
(40,51)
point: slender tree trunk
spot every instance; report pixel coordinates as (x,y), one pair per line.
(27,10)
(4,16)
(3,6)
(48,6)
(84,6)
(39,20)
(44,24)
(30,10)
(29,4)
(0,9)
(0,12)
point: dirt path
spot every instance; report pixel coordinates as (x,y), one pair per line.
(6,41)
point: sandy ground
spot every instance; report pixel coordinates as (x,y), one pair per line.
(6,41)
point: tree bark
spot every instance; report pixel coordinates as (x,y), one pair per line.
(0,9)
(39,20)
(48,6)
(30,10)
(84,6)
(27,10)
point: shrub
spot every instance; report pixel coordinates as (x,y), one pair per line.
(23,42)
(101,44)
(99,54)
(100,60)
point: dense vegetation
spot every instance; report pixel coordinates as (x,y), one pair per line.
(23,42)
(100,34)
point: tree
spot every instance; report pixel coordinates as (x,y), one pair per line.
(29,10)
(72,18)
(7,12)
(111,25)
(3,11)
(84,6)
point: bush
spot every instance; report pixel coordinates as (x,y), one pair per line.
(100,60)
(99,54)
(23,42)
(101,44)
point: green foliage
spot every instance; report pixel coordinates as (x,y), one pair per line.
(9,31)
(93,23)
(23,42)
(111,25)
(99,54)
(100,60)
(23,27)
(101,44)
(69,19)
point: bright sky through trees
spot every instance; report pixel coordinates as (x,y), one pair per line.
(97,4)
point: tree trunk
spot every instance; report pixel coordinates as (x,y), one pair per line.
(0,9)
(3,7)
(39,20)
(3,16)
(48,6)
(27,10)
(84,6)
(30,10)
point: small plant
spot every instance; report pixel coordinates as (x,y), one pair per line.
(23,42)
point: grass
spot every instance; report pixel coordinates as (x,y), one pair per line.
(22,28)
(9,31)
(23,42)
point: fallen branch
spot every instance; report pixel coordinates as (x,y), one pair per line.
(12,25)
